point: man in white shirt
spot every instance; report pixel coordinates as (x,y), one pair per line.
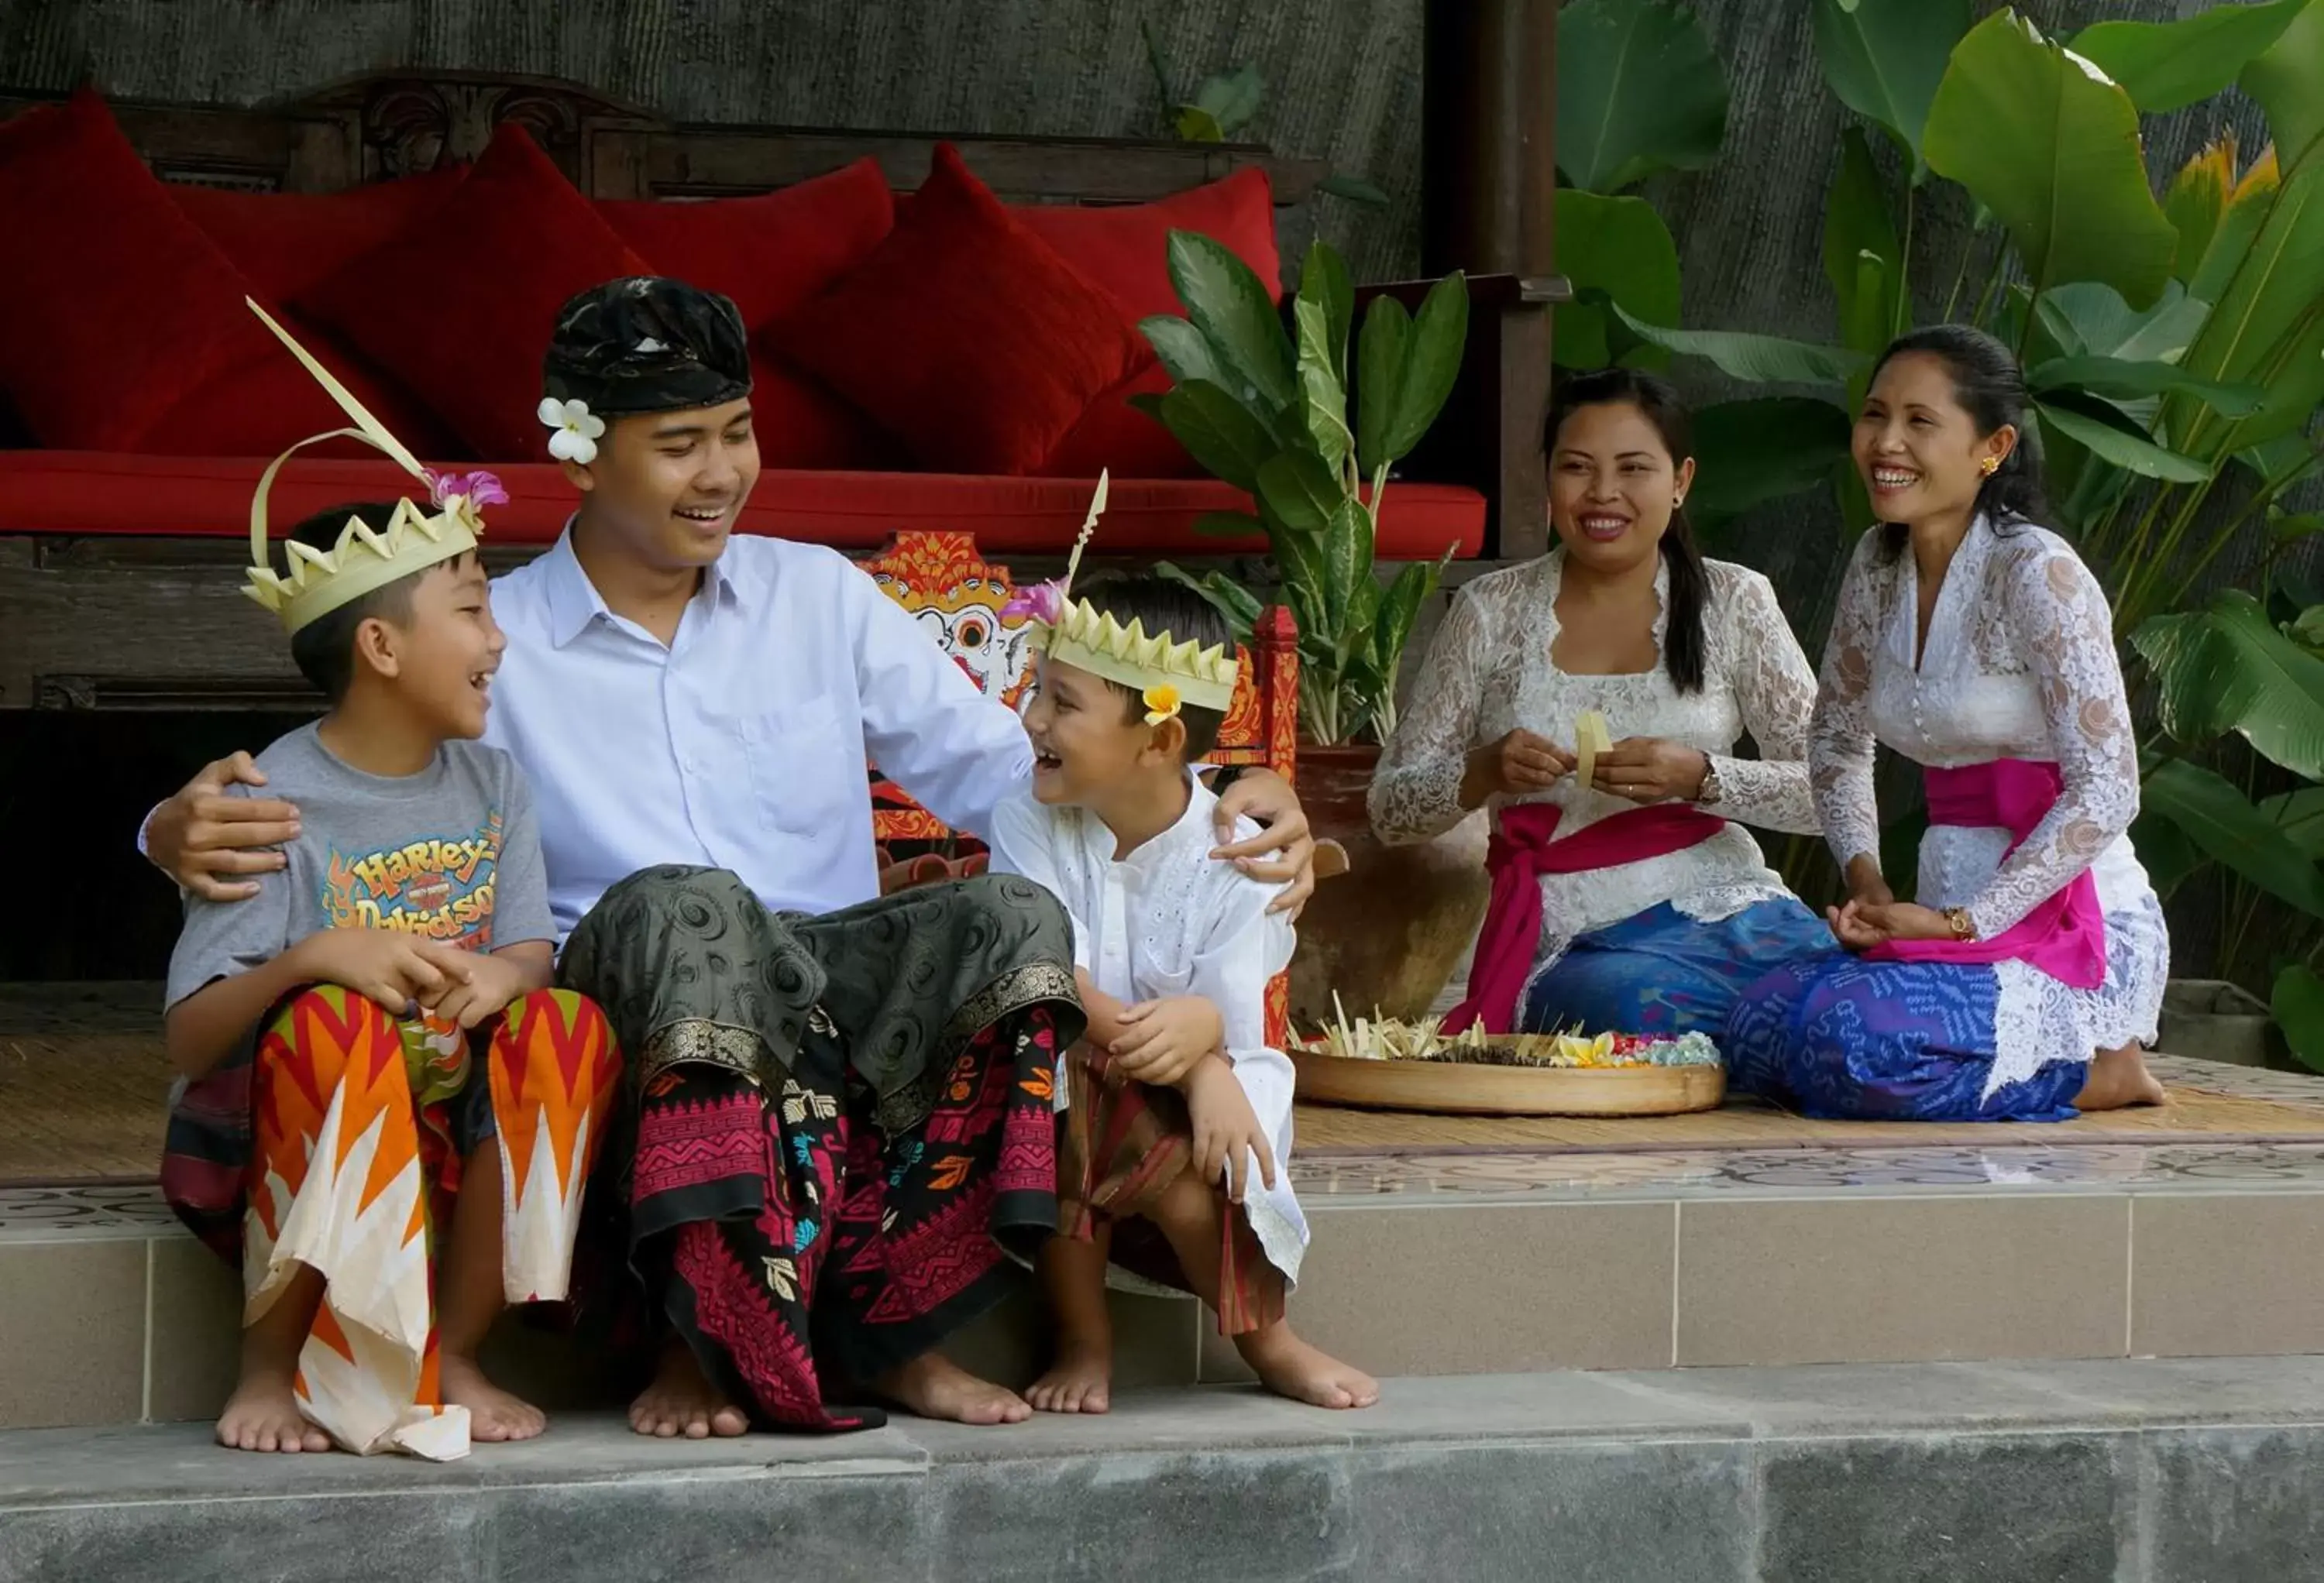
(831,1130)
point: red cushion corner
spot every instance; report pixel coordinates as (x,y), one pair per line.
(459,306)
(963,333)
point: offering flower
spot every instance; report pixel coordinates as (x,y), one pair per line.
(1040,602)
(577,430)
(478,489)
(1161,700)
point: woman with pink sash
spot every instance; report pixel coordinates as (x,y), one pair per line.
(2022,982)
(1635,903)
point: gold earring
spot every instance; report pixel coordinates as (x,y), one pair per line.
(1677,501)
(1990,465)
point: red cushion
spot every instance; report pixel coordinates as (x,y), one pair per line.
(770,252)
(287,242)
(460,304)
(270,403)
(70,492)
(1125,249)
(801,424)
(122,306)
(963,333)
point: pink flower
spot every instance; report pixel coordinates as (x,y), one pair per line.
(1043,602)
(481,489)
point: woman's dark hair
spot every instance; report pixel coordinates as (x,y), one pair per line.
(1662,406)
(1991,389)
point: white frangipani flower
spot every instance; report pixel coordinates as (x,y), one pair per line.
(576,429)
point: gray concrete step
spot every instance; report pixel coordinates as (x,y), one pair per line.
(2157,1471)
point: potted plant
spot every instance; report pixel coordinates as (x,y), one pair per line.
(1265,409)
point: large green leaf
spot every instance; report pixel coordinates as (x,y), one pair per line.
(2288,80)
(1238,605)
(1859,227)
(1217,432)
(2087,320)
(2299,815)
(1884,57)
(2196,200)
(2227,668)
(1324,403)
(1750,452)
(1380,354)
(2052,148)
(1182,349)
(2219,819)
(1225,104)
(1348,588)
(2165,852)
(2297,1004)
(1324,280)
(2266,328)
(1612,250)
(1761,359)
(2121,379)
(2164,65)
(2117,446)
(1432,365)
(1236,313)
(1299,491)
(1639,89)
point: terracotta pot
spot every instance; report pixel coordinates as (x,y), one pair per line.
(1387,933)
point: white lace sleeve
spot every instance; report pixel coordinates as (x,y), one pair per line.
(1841,740)
(1416,791)
(1775,693)
(2058,623)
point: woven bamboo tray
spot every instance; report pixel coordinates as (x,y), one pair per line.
(1472,1089)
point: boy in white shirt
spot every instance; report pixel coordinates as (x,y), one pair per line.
(1174,1155)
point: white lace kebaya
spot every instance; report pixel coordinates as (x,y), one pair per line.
(1489,671)
(2019,663)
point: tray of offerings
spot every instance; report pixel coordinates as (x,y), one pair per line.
(1412,1066)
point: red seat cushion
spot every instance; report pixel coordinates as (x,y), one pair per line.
(1124,249)
(78,493)
(265,405)
(768,253)
(123,308)
(963,333)
(459,306)
(287,242)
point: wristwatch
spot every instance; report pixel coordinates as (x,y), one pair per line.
(1957,919)
(1710,791)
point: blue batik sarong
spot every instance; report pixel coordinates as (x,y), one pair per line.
(1664,973)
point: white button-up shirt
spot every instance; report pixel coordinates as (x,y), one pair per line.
(743,744)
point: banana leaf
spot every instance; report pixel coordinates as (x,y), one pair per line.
(2117,443)
(1760,359)
(2052,148)
(1639,89)
(2227,668)
(2167,65)
(2297,1004)
(1613,250)
(2220,820)
(1885,59)
(2288,81)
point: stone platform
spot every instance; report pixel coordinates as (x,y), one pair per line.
(1465,1263)
(2157,1471)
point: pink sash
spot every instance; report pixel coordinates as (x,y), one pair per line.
(1523,850)
(2065,936)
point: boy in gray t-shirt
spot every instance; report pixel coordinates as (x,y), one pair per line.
(372,1052)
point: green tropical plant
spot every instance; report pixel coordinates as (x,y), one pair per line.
(1266,409)
(1226,103)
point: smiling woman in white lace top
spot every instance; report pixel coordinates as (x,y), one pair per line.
(2022,983)
(1628,904)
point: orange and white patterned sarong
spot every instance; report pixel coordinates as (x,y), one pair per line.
(349,1175)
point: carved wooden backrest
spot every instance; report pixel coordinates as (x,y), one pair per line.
(400,123)
(956,595)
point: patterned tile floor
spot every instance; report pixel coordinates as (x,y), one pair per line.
(49,1213)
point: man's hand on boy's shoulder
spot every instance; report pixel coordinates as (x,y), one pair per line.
(206,835)
(1282,852)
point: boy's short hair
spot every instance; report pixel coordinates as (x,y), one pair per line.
(323,649)
(1164,606)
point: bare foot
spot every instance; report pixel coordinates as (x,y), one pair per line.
(493,1415)
(682,1402)
(934,1387)
(2118,1079)
(1080,1380)
(1290,1367)
(262,1415)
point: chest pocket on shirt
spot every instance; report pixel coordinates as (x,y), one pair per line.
(807,768)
